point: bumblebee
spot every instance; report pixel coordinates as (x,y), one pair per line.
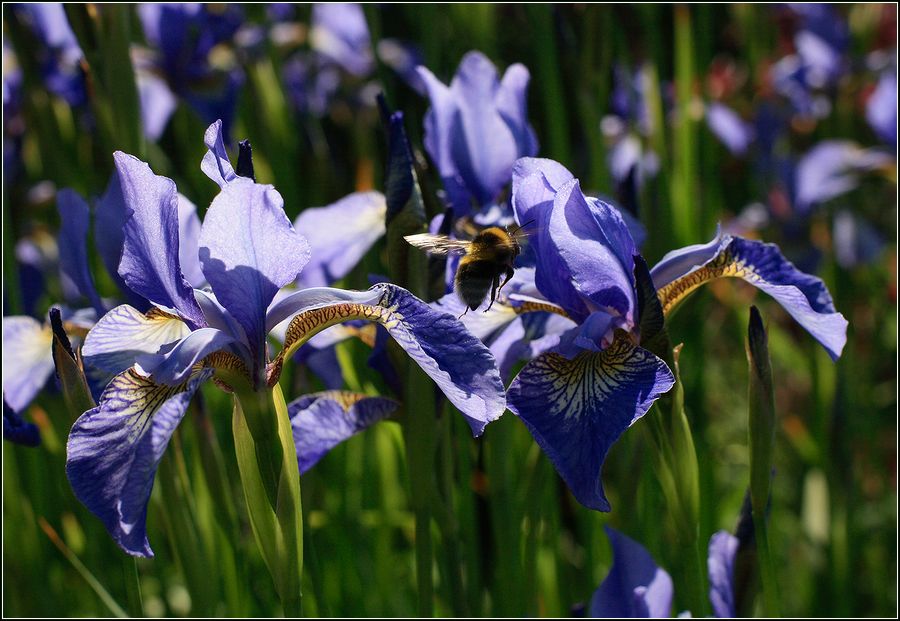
(486,257)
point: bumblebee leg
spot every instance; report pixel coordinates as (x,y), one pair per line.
(494,290)
(509,274)
(463,313)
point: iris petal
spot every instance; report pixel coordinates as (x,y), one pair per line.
(114,449)
(215,163)
(174,366)
(723,547)
(459,364)
(27,360)
(803,296)
(17,430)
(150,264)
(592,241)
(75,218)
(339,235)
(124,333)
(249,250)
(635,586)
(323,420)
(576,409)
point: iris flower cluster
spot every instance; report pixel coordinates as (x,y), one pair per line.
(248,250)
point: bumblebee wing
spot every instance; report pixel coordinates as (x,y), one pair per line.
(438,244)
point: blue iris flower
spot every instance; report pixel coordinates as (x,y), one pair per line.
(476,129)
(29,363)
(181,65)
(589,379)
(59,55)
(248,250)
(637,588)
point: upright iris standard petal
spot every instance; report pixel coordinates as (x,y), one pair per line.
(723,547)
(75,218)
(323,420)
(477,128)
(215,163)
(535,184)
(114,449)
(804,296)
(635,586)
(150,264)
(249,250)
(592,241)
(27,360)
(339,235)
(577,408)
(124,333)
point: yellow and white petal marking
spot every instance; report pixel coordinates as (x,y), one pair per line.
(124,332)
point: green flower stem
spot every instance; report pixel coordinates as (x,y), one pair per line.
(762,444)
(267,461)
(675,462)
(420,448)
(448,524)
(133,587)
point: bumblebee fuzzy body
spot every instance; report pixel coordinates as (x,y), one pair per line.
(486,258)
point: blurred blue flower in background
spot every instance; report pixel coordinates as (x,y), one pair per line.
(637,588)
(188,61)
(476,129)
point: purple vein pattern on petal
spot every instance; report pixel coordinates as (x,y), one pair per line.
(593,242)
(723,547)
(124,333)
(461,366)
(215,163)
(322,420)
(576,409)
(27,360)
(150,264)
(249,250)
(114,449)
(339,235)
(75,219)
(803,296)
(635,586)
